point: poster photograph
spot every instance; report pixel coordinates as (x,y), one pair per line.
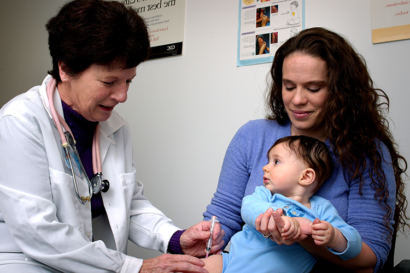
(264,26)
(165,20)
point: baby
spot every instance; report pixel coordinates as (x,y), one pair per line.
(294,15)
(298,166)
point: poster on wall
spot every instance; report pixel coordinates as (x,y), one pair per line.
(390,20)
(166,22)
(264,25)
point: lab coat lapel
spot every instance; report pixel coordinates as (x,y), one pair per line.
(107,129)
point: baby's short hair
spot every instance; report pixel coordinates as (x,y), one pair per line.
(313,152)
(295,3)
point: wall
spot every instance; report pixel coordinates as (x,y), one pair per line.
(184,110)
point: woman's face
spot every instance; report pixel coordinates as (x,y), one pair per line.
(96,91)
(304,93)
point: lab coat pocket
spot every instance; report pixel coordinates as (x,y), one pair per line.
(65,199)
(128,184)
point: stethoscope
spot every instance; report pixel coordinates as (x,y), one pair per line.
(97,183)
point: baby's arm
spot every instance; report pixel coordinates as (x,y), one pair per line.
(255,204)
(323,233)
(214,263)
(347,243)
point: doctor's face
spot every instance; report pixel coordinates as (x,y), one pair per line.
(96,91)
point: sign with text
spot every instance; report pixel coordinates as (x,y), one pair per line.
(165,20)
(390,20)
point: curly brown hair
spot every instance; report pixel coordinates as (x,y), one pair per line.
(356,125)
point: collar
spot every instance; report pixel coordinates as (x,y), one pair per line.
(107,128)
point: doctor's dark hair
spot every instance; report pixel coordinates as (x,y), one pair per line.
(354,119)
(87,32)
(314,154)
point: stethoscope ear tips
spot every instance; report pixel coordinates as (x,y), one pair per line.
(105,185)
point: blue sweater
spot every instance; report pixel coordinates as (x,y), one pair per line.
(242,172)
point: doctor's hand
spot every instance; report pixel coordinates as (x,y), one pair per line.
(193,240)
(173,263)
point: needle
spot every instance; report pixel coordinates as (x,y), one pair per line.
(209,244)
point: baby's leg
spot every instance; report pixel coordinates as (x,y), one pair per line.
(214,263)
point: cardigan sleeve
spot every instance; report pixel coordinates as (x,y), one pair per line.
(365,213)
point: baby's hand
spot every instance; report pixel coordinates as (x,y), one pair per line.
(291,229)
(323,232)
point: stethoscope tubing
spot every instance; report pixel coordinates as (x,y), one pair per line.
(96,158)
(96,151)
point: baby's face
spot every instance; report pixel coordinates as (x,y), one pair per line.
(293,7)
(282,173)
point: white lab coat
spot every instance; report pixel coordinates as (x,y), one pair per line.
(40,215)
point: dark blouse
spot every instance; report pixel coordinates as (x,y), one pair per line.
(83,131)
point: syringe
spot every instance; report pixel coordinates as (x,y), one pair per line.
(209,244)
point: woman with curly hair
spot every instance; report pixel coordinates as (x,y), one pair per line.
(321,88)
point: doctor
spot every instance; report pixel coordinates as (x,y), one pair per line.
(56,214)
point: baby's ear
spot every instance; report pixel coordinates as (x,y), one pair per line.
(307,177)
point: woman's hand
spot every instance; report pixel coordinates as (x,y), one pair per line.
(266,225)
(193,240)
(173,263)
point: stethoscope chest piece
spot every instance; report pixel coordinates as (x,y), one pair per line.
(99,184)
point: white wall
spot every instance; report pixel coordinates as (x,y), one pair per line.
(184,110)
